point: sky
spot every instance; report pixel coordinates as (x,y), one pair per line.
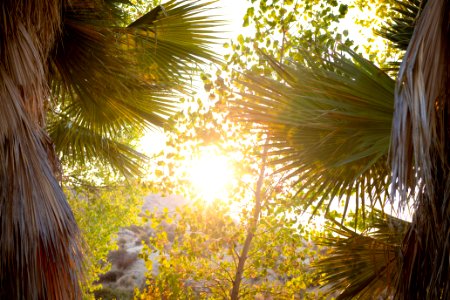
(233,11)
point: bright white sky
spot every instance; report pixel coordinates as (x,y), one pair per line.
(233,11)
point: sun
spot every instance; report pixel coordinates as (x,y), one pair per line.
(210,174)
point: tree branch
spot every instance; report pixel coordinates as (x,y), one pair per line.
(251,229)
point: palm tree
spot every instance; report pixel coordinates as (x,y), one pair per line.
(347,131)
(92,75)
(420,154)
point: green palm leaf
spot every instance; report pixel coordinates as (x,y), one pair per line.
(329,126)
(363,265)
(107,76)
(399,29)
(176,39)
(79,144)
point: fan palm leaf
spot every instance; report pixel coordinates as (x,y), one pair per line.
(81,146)
(329,126)
(399,29)
(363,265)
(107,76)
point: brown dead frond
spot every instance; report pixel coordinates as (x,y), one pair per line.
(420,161)
(40,256)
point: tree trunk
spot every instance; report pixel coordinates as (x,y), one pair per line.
(253,224)
(421,155)
(40,256)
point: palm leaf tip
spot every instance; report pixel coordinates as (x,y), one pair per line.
(399,29)
(363,265)
(77,144)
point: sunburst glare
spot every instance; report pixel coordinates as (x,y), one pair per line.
(211,173)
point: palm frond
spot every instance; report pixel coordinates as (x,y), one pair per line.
(79,144)
(399,29)
(363,265)
(329,125)
(175,37)
(106,76)
(417,131)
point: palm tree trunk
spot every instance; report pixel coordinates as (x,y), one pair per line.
(421,160)
(40,256)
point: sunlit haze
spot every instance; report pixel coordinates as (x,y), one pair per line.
(210,174)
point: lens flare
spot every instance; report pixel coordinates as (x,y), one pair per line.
(211,174)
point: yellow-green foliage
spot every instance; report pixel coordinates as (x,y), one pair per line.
(198,260)
(100,212)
